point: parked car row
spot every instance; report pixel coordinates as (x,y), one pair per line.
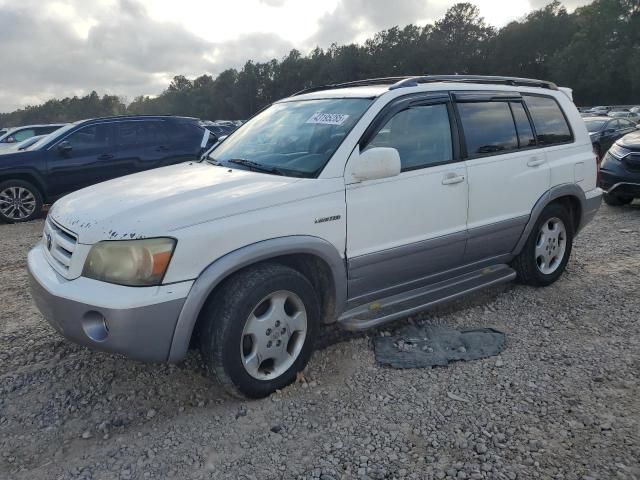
(605,130)
(89,152)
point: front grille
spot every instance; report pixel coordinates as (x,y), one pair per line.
(60,244)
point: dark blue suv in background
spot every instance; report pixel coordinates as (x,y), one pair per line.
(92,151)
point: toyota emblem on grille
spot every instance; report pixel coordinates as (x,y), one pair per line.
(49,241)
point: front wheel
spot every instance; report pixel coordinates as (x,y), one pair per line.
(19,201)
(258,330)
(547,250)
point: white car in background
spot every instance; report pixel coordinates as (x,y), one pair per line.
(19,134)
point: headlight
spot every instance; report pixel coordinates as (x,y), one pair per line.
(619,152)
(130,262)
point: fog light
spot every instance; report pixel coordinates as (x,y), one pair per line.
(95,326)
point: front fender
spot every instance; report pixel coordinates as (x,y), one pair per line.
(220,269)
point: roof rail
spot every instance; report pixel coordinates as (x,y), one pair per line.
(356,83)
(401,82)
(484,79)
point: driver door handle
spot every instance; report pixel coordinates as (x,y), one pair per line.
(452,179)
(105,156)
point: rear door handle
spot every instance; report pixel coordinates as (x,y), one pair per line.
(105,156)
(535,162)
(162,148)
(452,179)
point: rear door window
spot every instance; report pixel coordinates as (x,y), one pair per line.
(488,128)
(549,121)
(135,134)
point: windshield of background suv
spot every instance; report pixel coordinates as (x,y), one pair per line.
(595,125)
(292,138)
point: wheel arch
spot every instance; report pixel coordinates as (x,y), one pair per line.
(314,257)
(26,176)
(570,195)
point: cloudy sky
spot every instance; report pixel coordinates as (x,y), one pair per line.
(56,48)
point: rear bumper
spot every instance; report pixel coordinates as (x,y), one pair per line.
(592,202)
(136,322)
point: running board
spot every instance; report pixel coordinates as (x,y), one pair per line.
(381,311)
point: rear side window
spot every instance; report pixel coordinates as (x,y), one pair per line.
(421,134)
(488,128)
(549,121)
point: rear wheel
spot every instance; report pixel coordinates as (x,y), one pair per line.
(617,200)
(20,201)
(259,328)
(547,250)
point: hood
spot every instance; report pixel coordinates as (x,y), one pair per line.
(630,141)
(156,202)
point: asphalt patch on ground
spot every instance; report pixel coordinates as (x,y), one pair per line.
(428,346)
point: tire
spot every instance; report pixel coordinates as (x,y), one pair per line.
(542,260)
(616,200)
(257,313)
(20,201)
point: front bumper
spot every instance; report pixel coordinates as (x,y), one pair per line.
(618,178)
(138,322)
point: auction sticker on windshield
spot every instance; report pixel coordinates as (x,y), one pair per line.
(328,118)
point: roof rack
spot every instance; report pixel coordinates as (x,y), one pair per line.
(401,82)
(484,79)
(356,83)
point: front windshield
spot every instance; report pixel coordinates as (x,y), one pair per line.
(595,125)
(52,136)
(292,138)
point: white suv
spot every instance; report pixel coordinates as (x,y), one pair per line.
(357,203)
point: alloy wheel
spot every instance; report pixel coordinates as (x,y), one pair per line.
(17,203)
(273,335)
(551,245)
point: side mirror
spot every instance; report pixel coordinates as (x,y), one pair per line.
(375,163)
(11,140)
(64,147)
(608,131)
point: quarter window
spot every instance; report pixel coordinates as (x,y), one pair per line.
(488,128)
(549,121)
(421,134)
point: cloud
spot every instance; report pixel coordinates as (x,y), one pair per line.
(569,4)
(121,51)
(353,18)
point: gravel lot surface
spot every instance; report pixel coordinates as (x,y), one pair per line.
(562,401)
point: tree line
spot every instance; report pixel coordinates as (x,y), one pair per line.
(595,50)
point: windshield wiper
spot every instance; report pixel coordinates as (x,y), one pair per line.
(256,166)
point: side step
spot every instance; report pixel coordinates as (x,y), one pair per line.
(381,311)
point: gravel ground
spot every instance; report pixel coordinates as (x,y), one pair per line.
(562,401)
